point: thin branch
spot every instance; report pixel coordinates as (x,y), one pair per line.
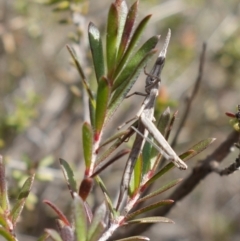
(194,93)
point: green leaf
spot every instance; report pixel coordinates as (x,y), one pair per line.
(53,234)
(112,38)
(130,49)
(17,210)
(106,195)
(122,10)
(160,190)
(24,192)
(4,201)
(134,238)
(101,108)
(81,73)
(150,220)
(87,140)
(8,236)
(95,42)
(130,20)
(122,90)
(80,219)
(68,174)
(148,208)
(97,227)
(92,110)
(135,62)
(199,147)
(136,177)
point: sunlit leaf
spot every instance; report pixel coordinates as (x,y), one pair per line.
(135,238)
(160,190)
(130,20)
(106,195)
(112,38)
(87,140)
(95,42)
(199,147)
(136,176)
(80,218)
(16,210)
(97,225)
(68,174)
(80,71)
(148,208)
(151,220)
(130,49)
(102,103)
(26,187)
(123,90)
(142,55)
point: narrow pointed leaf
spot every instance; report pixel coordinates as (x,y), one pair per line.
(17,210)
(68,174)
(136,177)
(80,218)
(123,90)
(102,103)
(146,153)
(122,10)
(8,236)
(83,77)
(150,220)
(87,140)
(92,112)
(160,190)
(135,238)
(4,201)
(61,216)
(26,187)
(148,208)
(135,61)
(97,226)
(131,48)
(111,39)
(95,42)
(106,195)
(199,147)
(130,20)
(53,234)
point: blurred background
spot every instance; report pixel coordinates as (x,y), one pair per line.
(41,117)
